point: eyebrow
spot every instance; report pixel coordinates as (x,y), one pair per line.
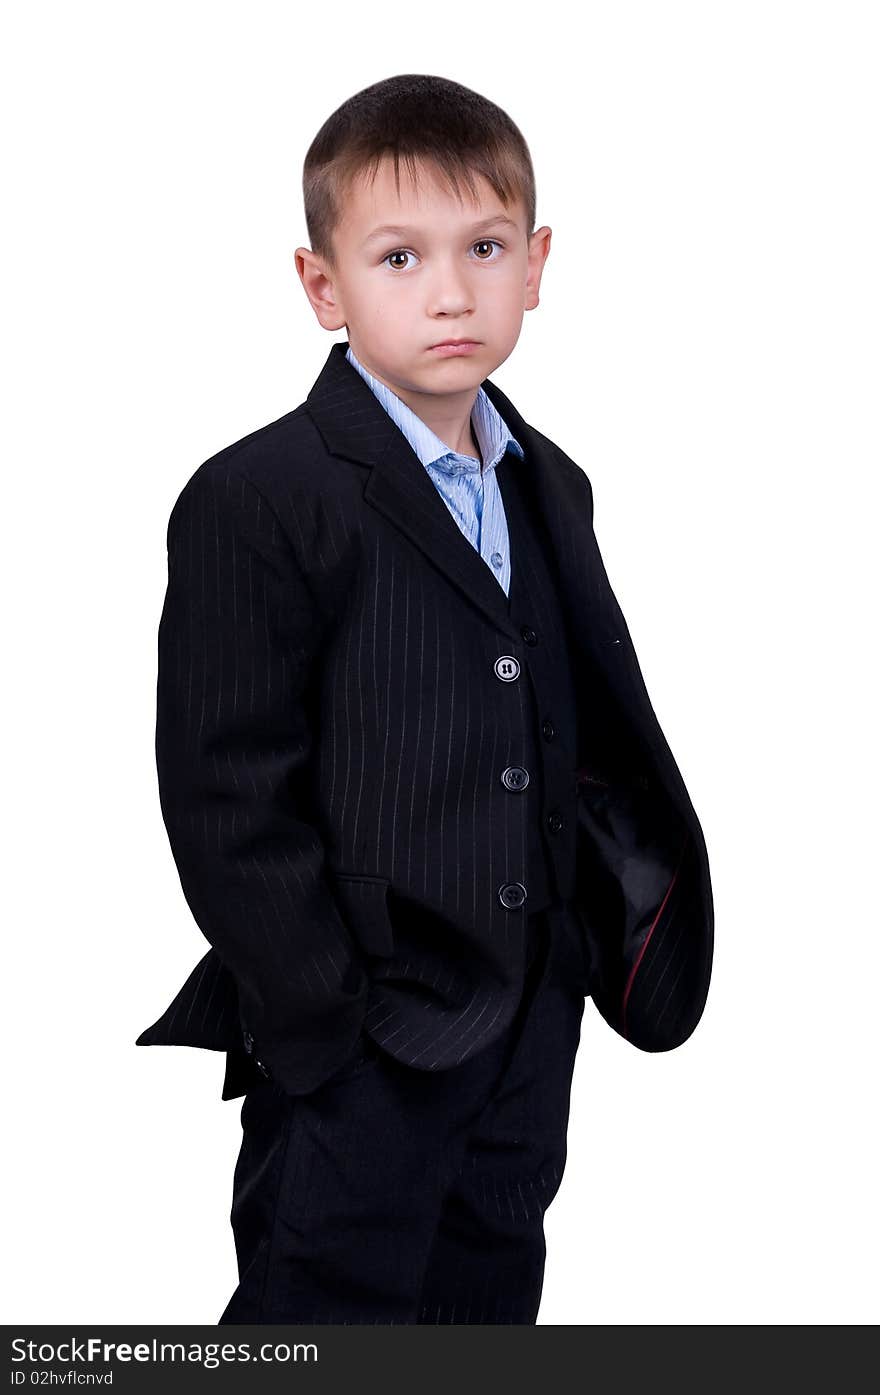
(390,230)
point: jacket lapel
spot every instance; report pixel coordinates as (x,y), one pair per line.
(401,489)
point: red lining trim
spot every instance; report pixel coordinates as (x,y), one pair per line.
(635,968)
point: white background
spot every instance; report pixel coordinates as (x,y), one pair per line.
(706,348)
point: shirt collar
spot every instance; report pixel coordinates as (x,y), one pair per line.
(492,435)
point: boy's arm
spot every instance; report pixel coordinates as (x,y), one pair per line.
(237,638)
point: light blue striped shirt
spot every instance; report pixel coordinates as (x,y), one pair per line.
(471,495)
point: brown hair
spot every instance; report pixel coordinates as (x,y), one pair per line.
(416,117)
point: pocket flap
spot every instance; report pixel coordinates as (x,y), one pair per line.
(364,906)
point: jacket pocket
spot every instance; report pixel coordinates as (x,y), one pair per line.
(363,901)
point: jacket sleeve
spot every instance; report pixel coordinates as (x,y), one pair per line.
(237,642)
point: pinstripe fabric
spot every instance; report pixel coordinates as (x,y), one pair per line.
(394,1197)
(340,685)
(468,489)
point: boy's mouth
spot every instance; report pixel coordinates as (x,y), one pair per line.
(449,347)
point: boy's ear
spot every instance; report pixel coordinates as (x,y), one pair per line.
(539,248)
(319,288)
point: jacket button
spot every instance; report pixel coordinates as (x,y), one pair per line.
(555,822)
(261,1068)
(548,729)
(512,895)
(529,635)
(507,668)
(248,1043)
(515,778)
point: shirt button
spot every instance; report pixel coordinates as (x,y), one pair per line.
(515,777)
(555,822)
(512,895)
(549,730)
(496,559)
(507,668)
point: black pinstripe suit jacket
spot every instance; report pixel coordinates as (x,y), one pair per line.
(323,792)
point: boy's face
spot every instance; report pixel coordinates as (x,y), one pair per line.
(446,271)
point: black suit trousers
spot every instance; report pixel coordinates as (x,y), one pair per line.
(396,1195)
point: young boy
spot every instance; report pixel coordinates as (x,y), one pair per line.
(416,792)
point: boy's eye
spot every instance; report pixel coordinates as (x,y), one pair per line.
(398,253)
(402,252)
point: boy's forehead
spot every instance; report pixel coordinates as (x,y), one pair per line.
(372,204)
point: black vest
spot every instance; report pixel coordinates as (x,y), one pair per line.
(550,739)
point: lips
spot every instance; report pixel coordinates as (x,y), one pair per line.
(458,348)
